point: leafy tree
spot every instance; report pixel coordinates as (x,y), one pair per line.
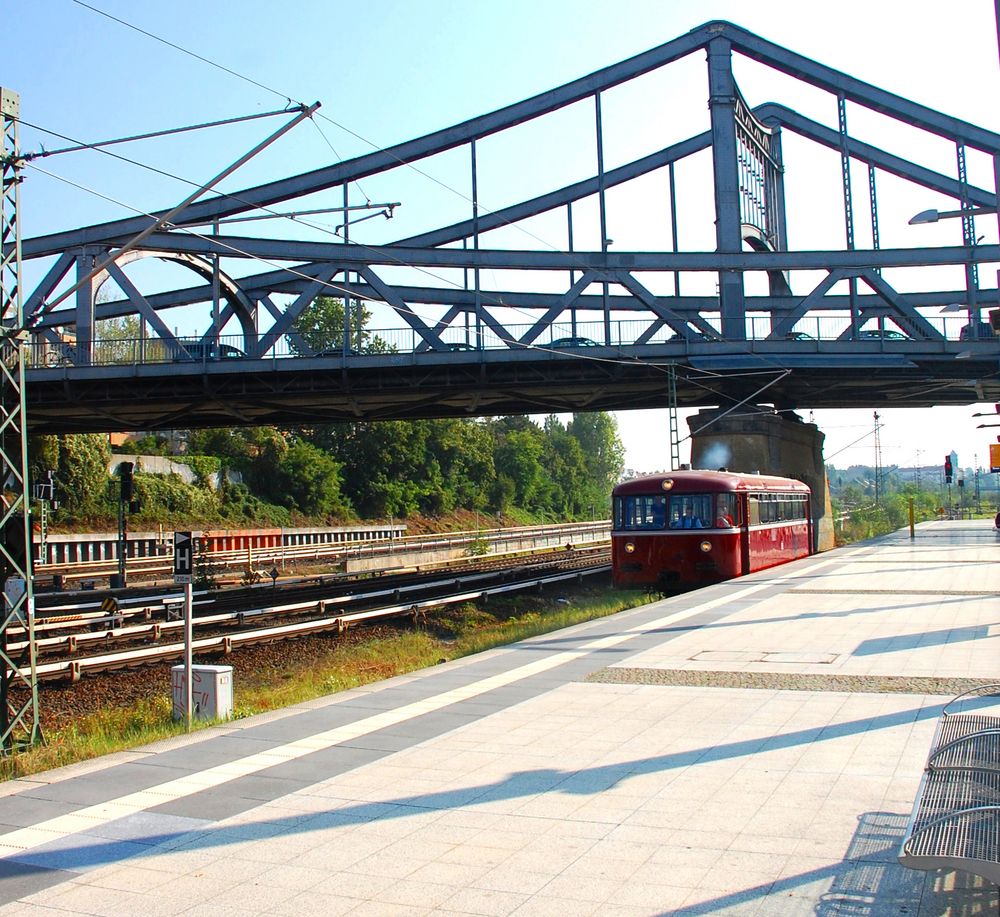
(387,467)
(603,452)
(310,481)
(259,454)
(43,455)
(567,480)
(126,328)
(518,456)
(321,326)
(82,475)
(464,454)
(149,444)
(117,339)
(224,442)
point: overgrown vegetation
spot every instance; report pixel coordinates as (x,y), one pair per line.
(337,667)
(859,515)
(508,466)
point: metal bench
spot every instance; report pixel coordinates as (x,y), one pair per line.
(955,822)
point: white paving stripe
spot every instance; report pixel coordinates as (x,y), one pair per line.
(91,817)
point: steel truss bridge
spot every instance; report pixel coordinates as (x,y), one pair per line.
(470,350)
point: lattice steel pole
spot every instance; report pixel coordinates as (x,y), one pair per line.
(19,719)
(675,436)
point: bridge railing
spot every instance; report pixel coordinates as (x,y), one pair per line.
(559,338)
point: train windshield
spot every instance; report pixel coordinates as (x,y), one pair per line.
(678,511)
(691,511)
(643,511)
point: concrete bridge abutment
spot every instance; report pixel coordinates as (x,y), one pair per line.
(767,443)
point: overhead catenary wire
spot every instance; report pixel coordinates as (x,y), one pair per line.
(166,132)
(214,240)
(347,291)
(211,63)
(288,98)
(183,50)
(849,445)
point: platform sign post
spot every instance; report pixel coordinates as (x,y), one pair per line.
(184,573)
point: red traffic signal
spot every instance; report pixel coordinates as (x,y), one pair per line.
(947,469)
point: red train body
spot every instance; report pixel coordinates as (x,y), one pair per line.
(214,541)
(689,528)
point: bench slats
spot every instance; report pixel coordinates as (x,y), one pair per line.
(955,823)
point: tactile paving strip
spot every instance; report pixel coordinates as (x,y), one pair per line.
(788,681)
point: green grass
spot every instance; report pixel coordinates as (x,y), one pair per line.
(343,665)
(111,730)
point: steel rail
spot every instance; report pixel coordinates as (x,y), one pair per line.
(73,669)
(71,643)
(290,553)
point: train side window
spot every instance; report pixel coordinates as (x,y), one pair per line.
(727,512)
(754,508)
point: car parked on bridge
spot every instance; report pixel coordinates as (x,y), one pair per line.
(694,337)
(458,345)
(561,343)
(881,334)
(205,351)
(799,336)
(339,352)
(983,332)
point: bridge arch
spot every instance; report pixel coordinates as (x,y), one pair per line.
(757,240)
(229,290)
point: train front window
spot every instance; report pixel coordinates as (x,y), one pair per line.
(691,511)
(646,511)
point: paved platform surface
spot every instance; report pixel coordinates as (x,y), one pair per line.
(753,748)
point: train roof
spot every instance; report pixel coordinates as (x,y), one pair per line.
(713,481)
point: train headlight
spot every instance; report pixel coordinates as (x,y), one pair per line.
(629,547)
(705,546)
(667,483)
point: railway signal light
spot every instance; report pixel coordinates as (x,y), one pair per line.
(126,469)
(947,469)
(46,488)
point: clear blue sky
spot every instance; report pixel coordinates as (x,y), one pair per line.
(389,71)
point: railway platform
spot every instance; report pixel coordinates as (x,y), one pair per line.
(752,748)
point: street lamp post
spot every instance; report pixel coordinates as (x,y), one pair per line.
(967,214)
(932,216)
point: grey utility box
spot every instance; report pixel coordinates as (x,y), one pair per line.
(211,690)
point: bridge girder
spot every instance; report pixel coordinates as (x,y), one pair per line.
(746,147)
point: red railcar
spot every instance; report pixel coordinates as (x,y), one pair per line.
(689,528)
(239,539)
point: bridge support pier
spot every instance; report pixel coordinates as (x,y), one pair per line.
(768,443)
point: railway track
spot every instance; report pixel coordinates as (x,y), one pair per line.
(252,565)
(72,642)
